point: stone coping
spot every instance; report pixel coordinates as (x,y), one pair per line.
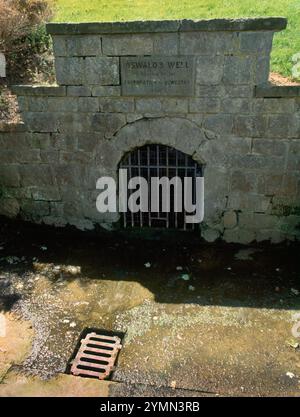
(272,90)
(39,90)
(6,127)
(246,24)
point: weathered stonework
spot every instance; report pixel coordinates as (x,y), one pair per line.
(244,131)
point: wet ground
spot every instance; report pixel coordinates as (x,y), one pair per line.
(198,319)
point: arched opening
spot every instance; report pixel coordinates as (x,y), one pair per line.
(160,162)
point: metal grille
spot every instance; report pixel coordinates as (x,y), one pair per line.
(96,356)
(159,161)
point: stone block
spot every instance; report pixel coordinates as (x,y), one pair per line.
(9,207)
(274,105)
(75,122)
(41,122)
(278,126)
(148,105)
(262,69)
(34,210)
(250,126)
(45,193)
(117,105)
(220,123)
(230,219)
(238,70)
(204,105)
(209,69)
(256,42)
(165,44)
(136,44)
(101,70)
(236,105)
(64,141)
(59,46)
(108,123)
(36,175)
(239,90)
(244,182)
(23,103)
(269,147)
(175,105)
(239,235)
(84,45)
(249,202)
(88,104)
(79,91)
(9,176)
(88,142)
(62,104)
(70,70)
(214,91)
(208,43)
(50,156)
(269,183)
(106,91)
(293,163)
(209,234)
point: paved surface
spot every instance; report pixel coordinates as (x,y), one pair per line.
(198,319)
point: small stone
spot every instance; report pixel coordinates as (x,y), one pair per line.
(179,268)
(173,384)
(73,324)
(290,375)
(292,343)
(147,264)
(294,291)
(185,277)
(191,288)
(43,248)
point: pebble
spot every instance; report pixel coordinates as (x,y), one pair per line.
(185,277)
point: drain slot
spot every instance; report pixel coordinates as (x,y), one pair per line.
(96,356)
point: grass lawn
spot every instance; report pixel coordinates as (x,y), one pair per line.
(286,43)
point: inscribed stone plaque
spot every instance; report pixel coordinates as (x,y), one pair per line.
(157,76)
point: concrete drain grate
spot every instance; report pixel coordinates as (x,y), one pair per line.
(96,356)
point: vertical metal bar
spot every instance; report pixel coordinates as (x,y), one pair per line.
(176,174)
(139,168)
(167,172)
(149,186)
(130,176)
(159,214)
(185,175)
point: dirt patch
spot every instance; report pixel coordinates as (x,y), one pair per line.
(279,79)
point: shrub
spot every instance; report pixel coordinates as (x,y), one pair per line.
(21,22)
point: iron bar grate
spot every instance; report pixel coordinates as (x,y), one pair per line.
(96,356)
(159,161)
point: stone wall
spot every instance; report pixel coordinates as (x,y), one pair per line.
(245,131)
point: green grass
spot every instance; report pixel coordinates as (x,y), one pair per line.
(286,43)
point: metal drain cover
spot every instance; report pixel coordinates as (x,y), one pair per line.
(96,356)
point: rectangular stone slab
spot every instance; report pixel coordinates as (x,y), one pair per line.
(158,75)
